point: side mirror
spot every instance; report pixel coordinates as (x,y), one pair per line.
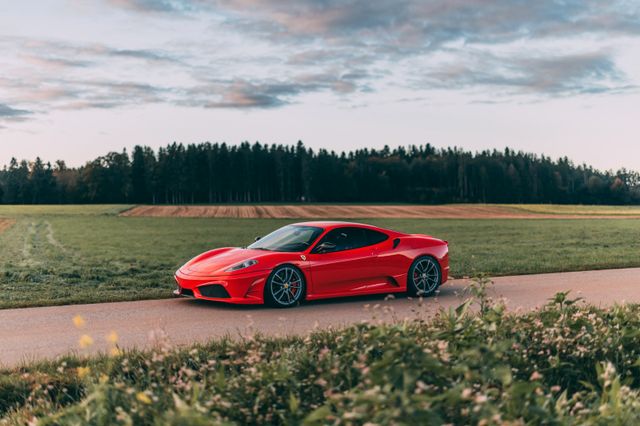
(257,238)
(325,247)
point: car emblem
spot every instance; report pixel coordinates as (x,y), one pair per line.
(303,257)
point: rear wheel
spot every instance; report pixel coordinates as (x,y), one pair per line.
(424,276)
(285,287)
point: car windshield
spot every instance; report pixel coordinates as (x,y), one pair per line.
(289,238)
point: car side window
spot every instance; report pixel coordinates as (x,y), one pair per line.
(340,239)
(375,237)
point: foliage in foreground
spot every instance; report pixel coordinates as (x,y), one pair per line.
(563,364)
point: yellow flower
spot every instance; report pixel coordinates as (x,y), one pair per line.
(104,379)
(78,321)
(112,337)
(83,372)
(85,341)
(143,397)
(114,351)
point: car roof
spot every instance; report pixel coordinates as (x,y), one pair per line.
(337,224)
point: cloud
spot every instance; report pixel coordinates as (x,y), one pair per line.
(572,74)
(261,54)
(81,93)
(68,76)
(57,62)
(378,34)
(154,5)
(8,112)
(60,54)
(244,94)
(106,94)
(417,24)
(144,54)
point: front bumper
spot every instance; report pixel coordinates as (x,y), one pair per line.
(246,289)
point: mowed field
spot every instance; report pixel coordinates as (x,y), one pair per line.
(5,224)
(337,211)
(53,255)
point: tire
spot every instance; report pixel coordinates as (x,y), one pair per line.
(285,287)
(424,277)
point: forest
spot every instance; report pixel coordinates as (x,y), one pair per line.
(261,173)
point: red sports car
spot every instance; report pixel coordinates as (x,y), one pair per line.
(317,260)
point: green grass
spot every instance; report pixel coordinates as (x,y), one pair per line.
(561,365)
(82,254)
(581,210)
(62,209)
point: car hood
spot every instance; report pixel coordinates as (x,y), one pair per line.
(216,262)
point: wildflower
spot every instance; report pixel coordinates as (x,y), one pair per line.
(143,398)
(420,387)
(83,372)
(85,341)
(115,351)
(481,399)
(112,338)
(535,376)
(466,393)
(443,345)
(324,352)
(78,321)
(321,382)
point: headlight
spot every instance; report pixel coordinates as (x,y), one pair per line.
(242,265)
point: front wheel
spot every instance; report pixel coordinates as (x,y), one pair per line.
(424,276)
(285,287)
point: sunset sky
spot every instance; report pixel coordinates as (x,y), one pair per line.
(79,78)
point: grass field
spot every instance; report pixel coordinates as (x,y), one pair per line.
(77,254)
(557,209)
(62,210)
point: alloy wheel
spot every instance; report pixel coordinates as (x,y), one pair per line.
(425,276)
(286,286)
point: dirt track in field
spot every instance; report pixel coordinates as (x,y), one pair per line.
(6,224)
(320,211)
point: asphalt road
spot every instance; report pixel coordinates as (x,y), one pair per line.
(45,333)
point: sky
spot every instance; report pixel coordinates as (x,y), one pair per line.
(80,78)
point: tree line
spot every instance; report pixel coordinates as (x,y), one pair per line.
(255,173)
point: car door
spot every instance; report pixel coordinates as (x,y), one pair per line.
(346,264)
(390,264)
